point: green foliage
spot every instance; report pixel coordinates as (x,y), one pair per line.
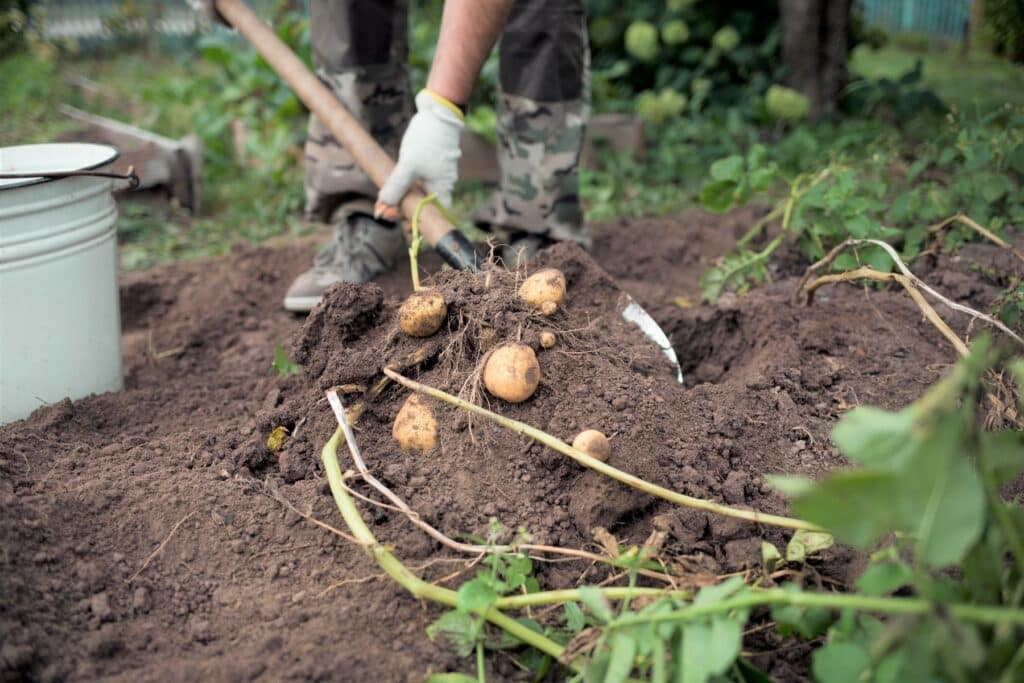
(732,51)
(28,89)
(501,574)
(13,25)
(786,104)
(735,178)
(726,39)
(932,475)
(657,108)
(284,365)
(803,544)
(1004,19)
(868,190)
(905,98)
(642,41)
(1011,306)
(675,32)
(697,649)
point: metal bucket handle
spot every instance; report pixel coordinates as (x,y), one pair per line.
(131,176)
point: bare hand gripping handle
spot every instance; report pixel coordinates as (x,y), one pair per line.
(453,246)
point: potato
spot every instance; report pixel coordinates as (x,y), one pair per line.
(415,428)
(544,290)
(512,372)
(423,313)
(547,339)
(593,443)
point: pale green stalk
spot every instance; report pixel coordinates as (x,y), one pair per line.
(604,468)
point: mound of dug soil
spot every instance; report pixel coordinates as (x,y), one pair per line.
(601,374)
(151,535)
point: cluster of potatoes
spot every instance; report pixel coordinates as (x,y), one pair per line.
(511,371)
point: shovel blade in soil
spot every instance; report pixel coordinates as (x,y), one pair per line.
(634,313)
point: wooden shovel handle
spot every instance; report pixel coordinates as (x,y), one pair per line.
(373,160)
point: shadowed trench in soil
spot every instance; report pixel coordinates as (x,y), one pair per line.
(243,587)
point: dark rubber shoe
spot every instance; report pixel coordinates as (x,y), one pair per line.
(361,249)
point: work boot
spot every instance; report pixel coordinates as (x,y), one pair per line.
(361,249)
(522,247)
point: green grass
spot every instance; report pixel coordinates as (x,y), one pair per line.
(29,94)
(974,81)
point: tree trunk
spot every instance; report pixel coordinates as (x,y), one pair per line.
(975,26)
(815,44)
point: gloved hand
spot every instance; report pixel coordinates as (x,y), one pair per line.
(208,10)
(429,152)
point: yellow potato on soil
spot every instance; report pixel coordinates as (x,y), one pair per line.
(547,339)
(423,313)
(544,290)
(512,372)
(593,443)
(415,428)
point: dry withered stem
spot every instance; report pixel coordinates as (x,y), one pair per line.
(917,285)
(160,548)
(978,228)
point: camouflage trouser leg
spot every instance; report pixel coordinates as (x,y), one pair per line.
(544,104)
(360,50)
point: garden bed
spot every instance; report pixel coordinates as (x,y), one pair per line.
(151,534)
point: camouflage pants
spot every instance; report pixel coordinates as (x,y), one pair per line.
(360,50)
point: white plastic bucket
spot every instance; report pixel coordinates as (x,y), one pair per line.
(60,330)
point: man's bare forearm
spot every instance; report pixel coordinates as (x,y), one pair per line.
(469,29)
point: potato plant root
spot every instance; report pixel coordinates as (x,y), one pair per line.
(173,474)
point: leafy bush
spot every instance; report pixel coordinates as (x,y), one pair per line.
(13,22)
(879,187)
(675,32)
(657,108)
(723,53)
(250,94)
(642,41)
(1005,21)
(786,104)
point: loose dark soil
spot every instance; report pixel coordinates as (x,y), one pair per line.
(151,535)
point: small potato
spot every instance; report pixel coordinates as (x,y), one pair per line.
(544,290)
(415,428)
(423,313)
(593,443)
(547,339)
(512,372)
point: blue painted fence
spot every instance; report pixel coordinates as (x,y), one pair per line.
(945,19)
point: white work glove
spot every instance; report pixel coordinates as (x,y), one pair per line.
(429,152)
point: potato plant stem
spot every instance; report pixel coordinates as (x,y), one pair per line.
(760,225)
(415,241)
(868,273)
(982,614)
(981,230)
(399,572)
(605,469)
(573,595)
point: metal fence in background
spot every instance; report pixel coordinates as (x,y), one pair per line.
(943,19)
(106,20)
